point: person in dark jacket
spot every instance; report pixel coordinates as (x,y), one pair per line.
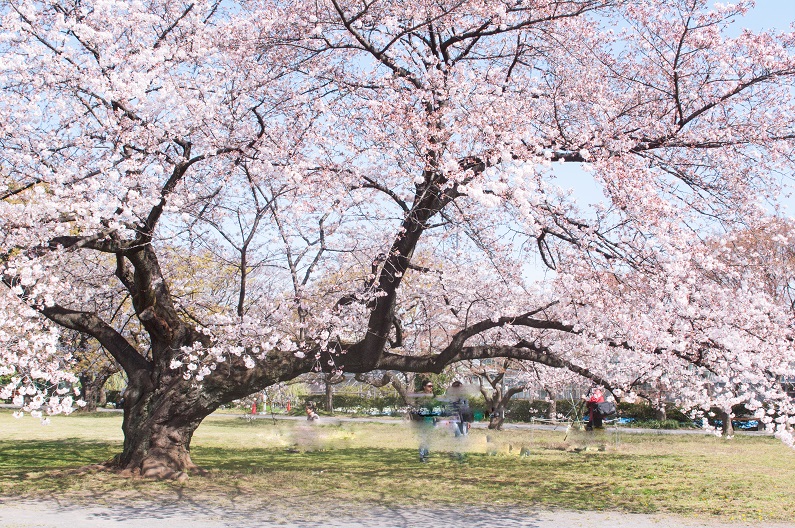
(595,396)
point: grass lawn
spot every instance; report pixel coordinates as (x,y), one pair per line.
(746,478)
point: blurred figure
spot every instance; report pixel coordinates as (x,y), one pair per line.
(457,403)
(594,397)
(311,412)
(424,413)
(458,407)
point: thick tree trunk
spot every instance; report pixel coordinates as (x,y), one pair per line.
(552,410)
(90,396)
(498,404)
(329,397)
(496,420)
(497,415)
(727,428)
(92,391)
(162,410)
(660,413)
(158,426)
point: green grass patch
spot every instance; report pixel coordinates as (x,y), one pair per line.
(746,478)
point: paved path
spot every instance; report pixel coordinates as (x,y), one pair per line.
(187,514)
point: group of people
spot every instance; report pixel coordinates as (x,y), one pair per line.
(430,410)
(452,409)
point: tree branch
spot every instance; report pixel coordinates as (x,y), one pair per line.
(89,323)
(168,30)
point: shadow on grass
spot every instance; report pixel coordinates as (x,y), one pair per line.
(43,455)
(366,474)
(36,468)
(395,476)
(388,477)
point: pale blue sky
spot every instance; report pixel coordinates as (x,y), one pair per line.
(770,14)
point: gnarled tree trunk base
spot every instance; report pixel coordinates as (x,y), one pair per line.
(158,464)
(150,468)
(158,427)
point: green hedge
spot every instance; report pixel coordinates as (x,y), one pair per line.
(526,410)
(352,402)
(660,424)
(518,410)
(643,412)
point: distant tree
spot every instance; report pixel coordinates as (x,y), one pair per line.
(93,368)
(401,382)
(495,393)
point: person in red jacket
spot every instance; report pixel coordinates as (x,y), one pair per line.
(595,396)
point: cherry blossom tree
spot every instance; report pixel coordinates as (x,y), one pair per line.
(499,397)
(339,186)
(119,117)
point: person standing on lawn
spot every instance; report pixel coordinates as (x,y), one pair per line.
(595,396)
(457,402)
(311,411)
(423,415)
(458,406)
